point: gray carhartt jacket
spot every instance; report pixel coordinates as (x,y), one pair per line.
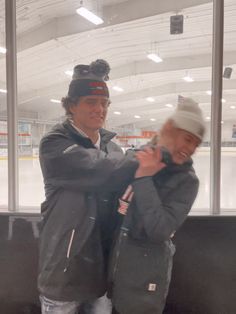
(141,262)
(79,182)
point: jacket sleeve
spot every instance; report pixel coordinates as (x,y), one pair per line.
(160,219)
(69,165)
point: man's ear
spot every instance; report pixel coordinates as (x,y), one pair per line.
(72,108)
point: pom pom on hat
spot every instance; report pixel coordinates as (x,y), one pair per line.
(97,70)
(90,79)
(188,116)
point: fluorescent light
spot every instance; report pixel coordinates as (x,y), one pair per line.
(223,100)
(232,107)
(188,78)
(222,122)
(117,112)
(118,88)
(3,91)
(169,105)
(154,57)
(69,72)
(89,16)
(150,99)
(137,117)
(152,119)
(3,50)
(55,100)
(208,118)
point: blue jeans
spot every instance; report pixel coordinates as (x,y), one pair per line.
(99,306)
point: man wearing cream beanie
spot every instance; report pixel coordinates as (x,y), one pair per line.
(188,116)
(157,203)
(183,131)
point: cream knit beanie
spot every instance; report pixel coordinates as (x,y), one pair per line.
(188,116)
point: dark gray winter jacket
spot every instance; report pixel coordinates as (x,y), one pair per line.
(141,262)
(80,182)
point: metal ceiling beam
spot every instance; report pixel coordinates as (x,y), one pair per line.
(113,14)
(172,88)
(166,89)
(139,68)
(130,101)
(142,105)
(170,64)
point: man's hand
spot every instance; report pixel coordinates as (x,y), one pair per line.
(149,162)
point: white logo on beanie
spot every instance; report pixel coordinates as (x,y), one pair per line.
(188,116)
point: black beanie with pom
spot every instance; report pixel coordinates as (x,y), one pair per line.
(90,80)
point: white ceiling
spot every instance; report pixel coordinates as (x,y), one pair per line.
(52,38)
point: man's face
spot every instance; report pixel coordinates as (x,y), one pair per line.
(90,112)
(181,145)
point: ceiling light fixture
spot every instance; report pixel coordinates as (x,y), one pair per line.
(137,117)
(232,107)
(152,119)
(55,101)
(208,92)
(117,112)
(90,16)
(223,100)
(3,50)
(69,72)
(3,91)
(118,88)
(169,105)
(154,57)
(188,78)
(150,99)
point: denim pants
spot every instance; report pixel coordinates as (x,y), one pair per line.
(98,306)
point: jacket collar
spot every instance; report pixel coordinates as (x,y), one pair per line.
(188,165)
(105,135)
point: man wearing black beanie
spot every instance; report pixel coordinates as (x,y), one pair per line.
(83,170)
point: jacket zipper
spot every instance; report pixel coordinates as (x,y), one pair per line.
(117,255)
(69,249)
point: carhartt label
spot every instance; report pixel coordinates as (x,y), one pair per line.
(152,287)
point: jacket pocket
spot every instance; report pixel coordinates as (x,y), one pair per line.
(172,250)
(69,249)
(140,276)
